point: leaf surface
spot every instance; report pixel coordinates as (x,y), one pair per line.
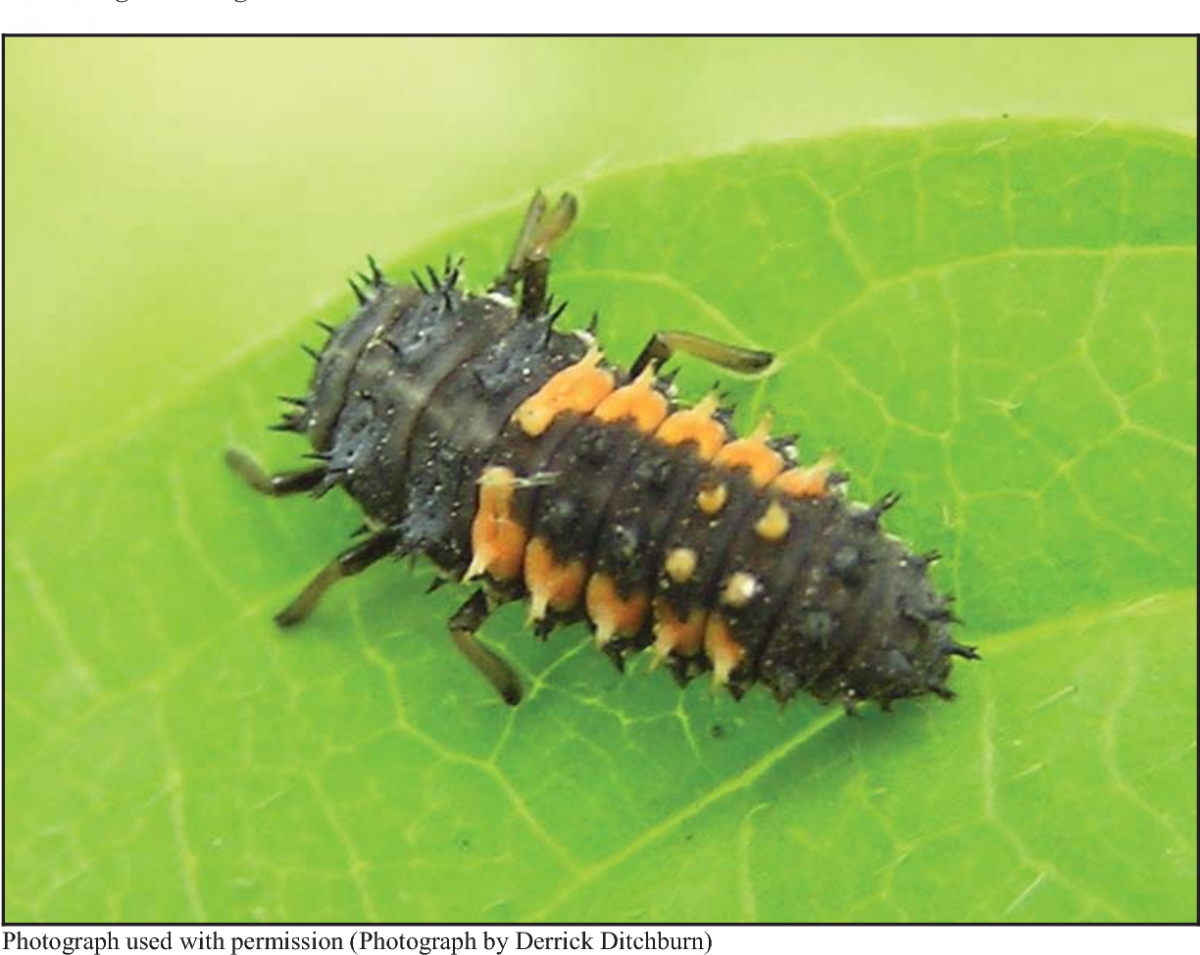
(998,320)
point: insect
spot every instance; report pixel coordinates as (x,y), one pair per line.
(521,461)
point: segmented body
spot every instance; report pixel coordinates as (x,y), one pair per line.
(516,454)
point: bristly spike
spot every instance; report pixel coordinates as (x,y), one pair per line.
(318,456)
(325,327)
(292,400)
(593,324)
(873,513)
(616,655)
(558,311)
(419,282)
(931,556)
(887,502)
(359,531)
(287,424)
(377,276)
(365,279)
(358,293)
(435,584)
(310,352)
(434,277)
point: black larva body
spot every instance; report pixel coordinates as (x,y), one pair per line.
(416,396)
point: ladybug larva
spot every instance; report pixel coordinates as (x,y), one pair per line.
(524,463)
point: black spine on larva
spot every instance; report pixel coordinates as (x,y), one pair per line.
(415,396)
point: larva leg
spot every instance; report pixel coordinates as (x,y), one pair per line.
(348,563)
(274,485)
(663,345)
(464,625)
(529,263)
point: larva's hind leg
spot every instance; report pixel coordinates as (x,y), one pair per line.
(273,485)
(348,563)
(663,345)
(464,626)
(529,263)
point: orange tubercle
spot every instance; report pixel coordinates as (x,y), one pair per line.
(695,424)
(683,636)
(613,614)
(754,454)
(805,482)
(580,388)
(722,650)
(497,539)
(551,584)
(638,401)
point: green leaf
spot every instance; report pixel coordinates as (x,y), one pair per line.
(997,319)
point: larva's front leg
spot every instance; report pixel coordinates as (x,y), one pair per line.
(352,561)
(529,263)
(663,345)
(464,626)
(273,485)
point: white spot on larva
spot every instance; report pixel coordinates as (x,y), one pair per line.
(739,589)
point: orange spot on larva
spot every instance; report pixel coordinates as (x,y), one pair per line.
(497,539)
(774,523)
(674,634)
(550,583)
(754,454)
(613,614)
(695,424)
(639,400)
(723,652)
(805,482)
(581,387)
